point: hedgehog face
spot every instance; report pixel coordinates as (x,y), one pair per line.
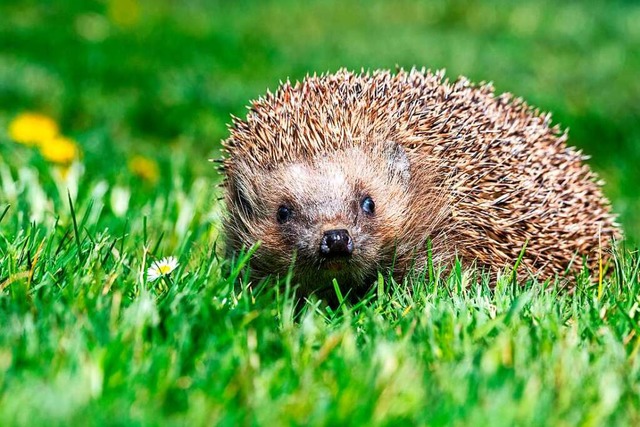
(336,215)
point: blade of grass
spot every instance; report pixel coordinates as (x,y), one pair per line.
(4,212)
(75,227)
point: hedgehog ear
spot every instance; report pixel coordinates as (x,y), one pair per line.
(397,162)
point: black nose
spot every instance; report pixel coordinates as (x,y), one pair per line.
(336,243)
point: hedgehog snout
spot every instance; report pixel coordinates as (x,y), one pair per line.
(336,243)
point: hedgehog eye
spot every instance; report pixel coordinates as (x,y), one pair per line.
(368,206)
(284,214)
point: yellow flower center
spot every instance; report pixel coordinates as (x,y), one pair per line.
(164,269)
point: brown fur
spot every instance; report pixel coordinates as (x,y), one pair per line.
(477,174)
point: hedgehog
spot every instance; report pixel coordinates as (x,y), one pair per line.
(344,175)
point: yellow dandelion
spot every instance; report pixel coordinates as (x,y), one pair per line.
(162,268)
(60,150)
(124,13)
(33,128)
(144,168)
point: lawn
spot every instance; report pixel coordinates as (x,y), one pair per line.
(138,94)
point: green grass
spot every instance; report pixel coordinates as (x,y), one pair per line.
(87,339)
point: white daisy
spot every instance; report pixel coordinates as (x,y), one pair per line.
(161,268)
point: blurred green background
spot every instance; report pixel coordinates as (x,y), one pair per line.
(160,78)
